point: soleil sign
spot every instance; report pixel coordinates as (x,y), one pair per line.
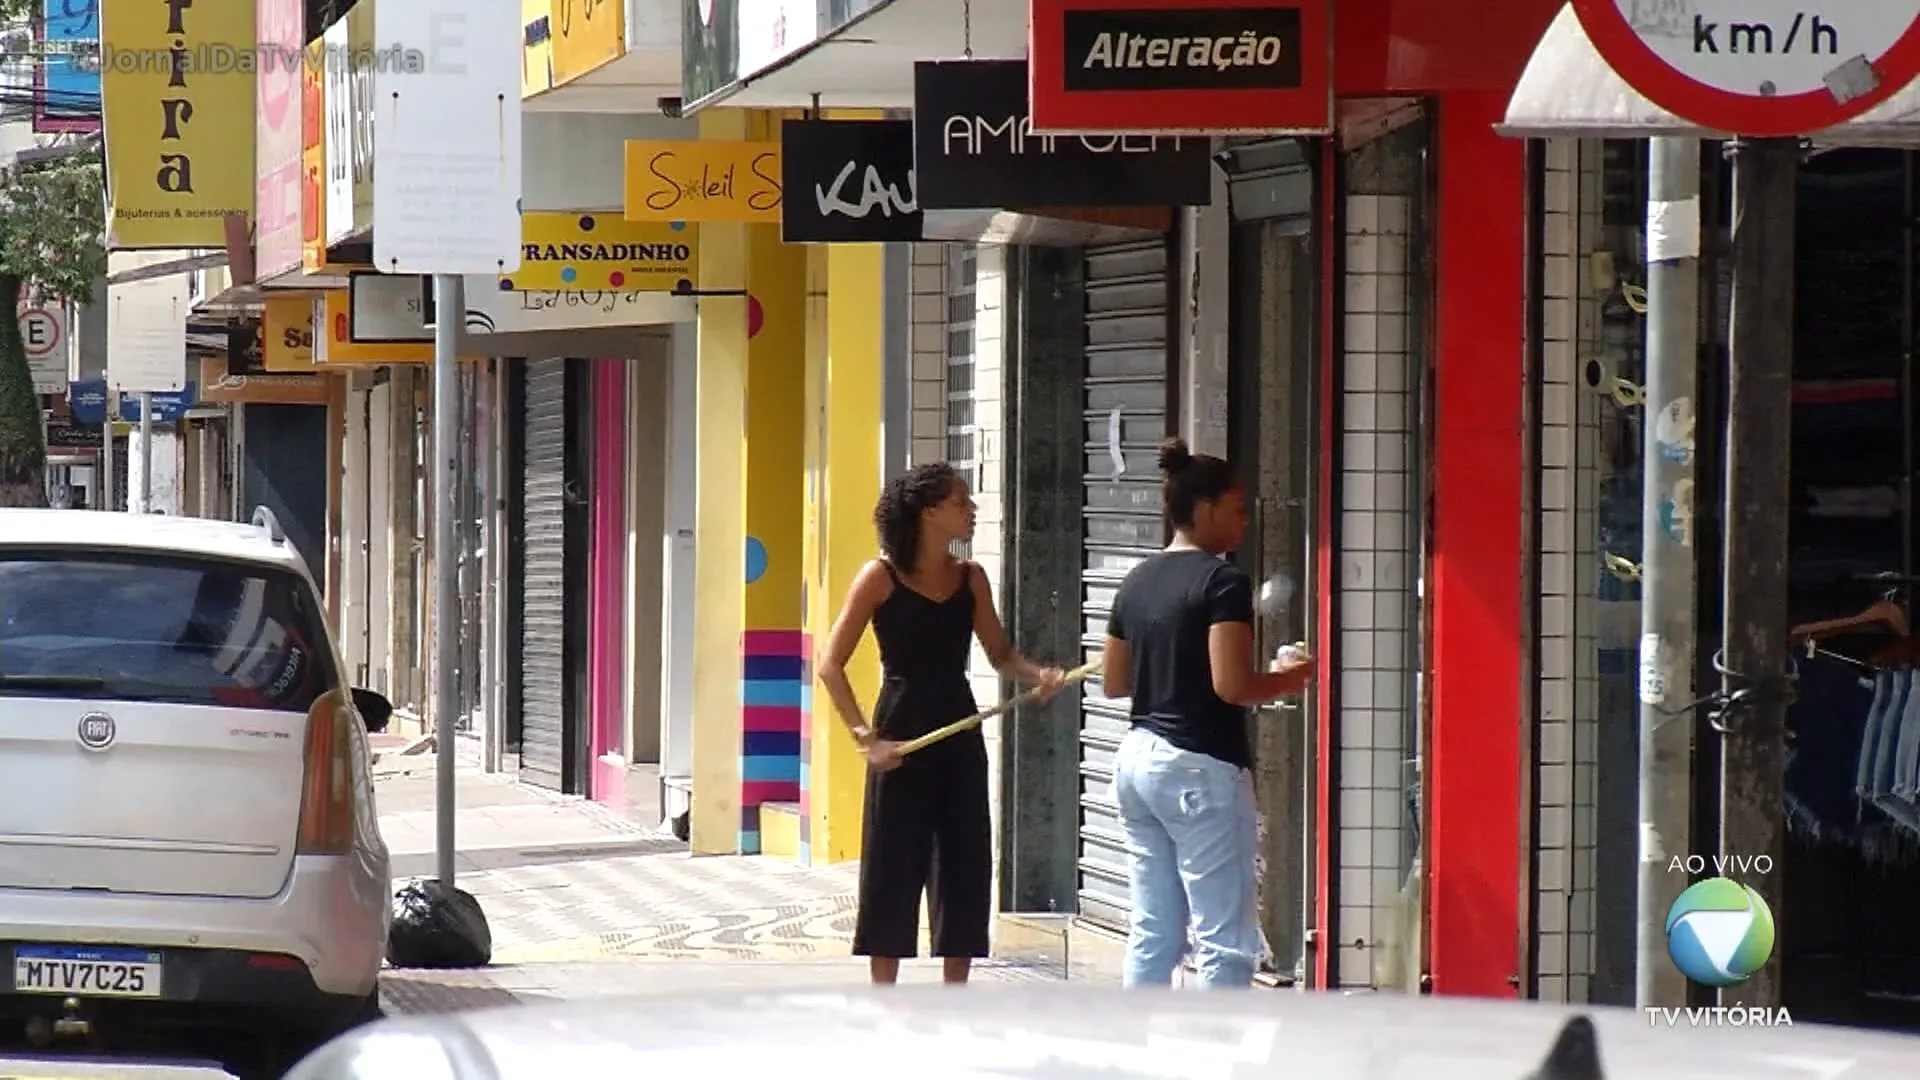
(736,182)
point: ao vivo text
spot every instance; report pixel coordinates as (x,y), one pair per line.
(1705,1016)
(1722,865)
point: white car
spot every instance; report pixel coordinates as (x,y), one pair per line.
(187,826)
(1071,1031)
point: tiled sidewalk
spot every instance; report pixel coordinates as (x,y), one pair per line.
(564,879)
(586,903)
(415,992)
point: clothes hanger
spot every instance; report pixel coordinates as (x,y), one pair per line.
(1814,650)
(1882,613)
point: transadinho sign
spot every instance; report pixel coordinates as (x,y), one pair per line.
(1203,67)
(1761,68)
(569,251)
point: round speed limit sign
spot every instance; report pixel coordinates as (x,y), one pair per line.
(1759,68)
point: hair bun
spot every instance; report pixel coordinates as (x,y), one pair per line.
(1174,455)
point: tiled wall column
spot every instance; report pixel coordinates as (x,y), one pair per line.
(1379,656)
(989,546)
(928,338)
(1565,784)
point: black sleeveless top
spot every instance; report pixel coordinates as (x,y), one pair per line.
(924,648)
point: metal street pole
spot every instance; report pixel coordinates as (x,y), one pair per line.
(146,451)
(450,307)
(1754,633)
(105,485)
(1667,632)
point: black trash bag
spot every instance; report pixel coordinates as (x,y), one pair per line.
(438,926)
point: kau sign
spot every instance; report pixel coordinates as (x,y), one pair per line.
(1761,68)
(848,181)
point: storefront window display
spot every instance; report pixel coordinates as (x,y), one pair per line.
(1848,866)
(1367,393)
(1610,467)
(1592,318)
(1275,267)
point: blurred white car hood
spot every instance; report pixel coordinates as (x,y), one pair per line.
(1069,1033)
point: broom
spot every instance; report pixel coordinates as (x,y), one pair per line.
(1077,675)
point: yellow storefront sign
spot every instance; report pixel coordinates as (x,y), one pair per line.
(179,134)
(587,36)
(286,331)
(736,182)
(571,251)
(333,337)
(536,55)
(313,164)
(313,168)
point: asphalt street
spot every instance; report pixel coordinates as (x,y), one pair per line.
(413,993)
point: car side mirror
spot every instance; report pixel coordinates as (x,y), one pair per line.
(375,710)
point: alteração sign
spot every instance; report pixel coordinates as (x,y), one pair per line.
(1209,67)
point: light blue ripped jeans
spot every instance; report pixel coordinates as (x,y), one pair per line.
(1191,841)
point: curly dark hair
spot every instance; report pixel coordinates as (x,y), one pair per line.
(902,500)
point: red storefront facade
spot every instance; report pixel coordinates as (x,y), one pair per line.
(1464,61)
(1463,636)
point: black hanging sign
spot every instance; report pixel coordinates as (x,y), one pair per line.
(974,147)
(848,181)
(71,435)
(1182,48)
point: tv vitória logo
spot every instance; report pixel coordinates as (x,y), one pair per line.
(1719,932)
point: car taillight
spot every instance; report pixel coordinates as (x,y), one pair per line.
(326,792)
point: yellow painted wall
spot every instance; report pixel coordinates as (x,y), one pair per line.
(819,603)
(844,403)
(774,651)
(749,507)
(719,522)
(776,373)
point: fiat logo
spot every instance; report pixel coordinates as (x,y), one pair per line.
(96,731)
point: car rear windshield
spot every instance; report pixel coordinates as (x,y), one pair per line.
(137,627)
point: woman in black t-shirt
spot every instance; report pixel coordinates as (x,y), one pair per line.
(1180,644)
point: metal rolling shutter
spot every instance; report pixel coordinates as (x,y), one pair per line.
(1128,326)
(543,658)
(286,472)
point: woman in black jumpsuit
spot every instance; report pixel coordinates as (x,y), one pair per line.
(927,827)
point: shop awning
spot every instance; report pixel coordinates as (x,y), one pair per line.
(868,63)
(1567,89)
